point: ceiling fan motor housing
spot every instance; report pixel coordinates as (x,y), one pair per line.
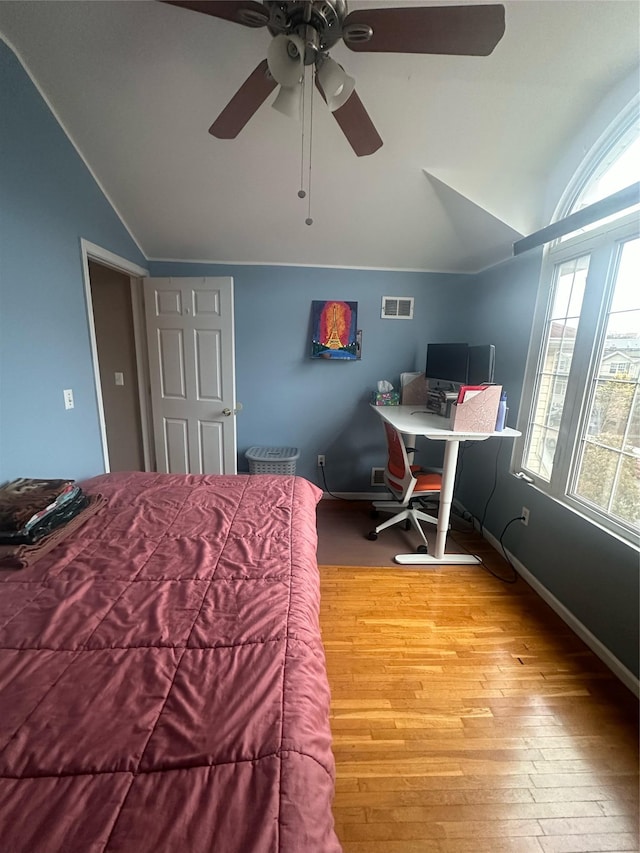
(317,22)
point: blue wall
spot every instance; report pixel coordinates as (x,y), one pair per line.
(48,201)
(315,405)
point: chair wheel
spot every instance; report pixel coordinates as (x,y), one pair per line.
(422,549)
(372,536)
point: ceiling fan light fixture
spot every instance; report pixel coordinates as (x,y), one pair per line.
(336,84)
(285,59)
(289,101)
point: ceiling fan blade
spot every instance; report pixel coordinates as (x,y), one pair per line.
(462,30)
(246,12)
(356,125)
(251,95)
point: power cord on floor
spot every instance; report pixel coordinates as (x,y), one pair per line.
(326,487)
(515,575)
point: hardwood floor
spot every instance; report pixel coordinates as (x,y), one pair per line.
(467,717)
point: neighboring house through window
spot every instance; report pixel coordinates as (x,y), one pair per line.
(580,415)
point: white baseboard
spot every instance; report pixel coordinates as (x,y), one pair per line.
(597,647)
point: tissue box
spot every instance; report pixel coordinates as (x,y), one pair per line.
(385,398)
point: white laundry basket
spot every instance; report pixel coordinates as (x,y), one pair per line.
(272,460)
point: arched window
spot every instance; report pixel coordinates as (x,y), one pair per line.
(580,416)
(616,168)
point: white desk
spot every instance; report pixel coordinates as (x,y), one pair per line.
(413,421)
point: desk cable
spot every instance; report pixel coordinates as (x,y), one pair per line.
(493,488)
(515,574)
(327,489)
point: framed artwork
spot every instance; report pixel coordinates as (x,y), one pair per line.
(334,330)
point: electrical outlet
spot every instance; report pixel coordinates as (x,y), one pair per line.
(68,398)
(525,515)
(320,460)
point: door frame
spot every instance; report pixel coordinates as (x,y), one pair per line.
(92,252)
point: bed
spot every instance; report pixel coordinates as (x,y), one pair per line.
(162,676)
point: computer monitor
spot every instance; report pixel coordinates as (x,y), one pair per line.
(481,364)
(447,362)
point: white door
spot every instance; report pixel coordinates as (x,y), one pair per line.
(192,372)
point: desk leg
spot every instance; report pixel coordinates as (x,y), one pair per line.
(444,512)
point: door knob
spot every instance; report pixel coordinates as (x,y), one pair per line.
(226,412)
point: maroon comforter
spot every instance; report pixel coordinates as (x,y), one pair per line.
(162,677)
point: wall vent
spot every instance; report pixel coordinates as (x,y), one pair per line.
(397,308)
(377,477)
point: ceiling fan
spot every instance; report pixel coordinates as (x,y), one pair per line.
(304,31)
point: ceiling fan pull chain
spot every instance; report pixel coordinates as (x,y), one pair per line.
(309,220)
(301,192)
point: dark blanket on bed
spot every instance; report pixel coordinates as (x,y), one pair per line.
(23,498)
(162,676)
(21,555)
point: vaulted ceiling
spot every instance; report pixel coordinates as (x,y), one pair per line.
(469,142)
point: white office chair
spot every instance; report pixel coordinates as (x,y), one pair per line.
(408,485)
